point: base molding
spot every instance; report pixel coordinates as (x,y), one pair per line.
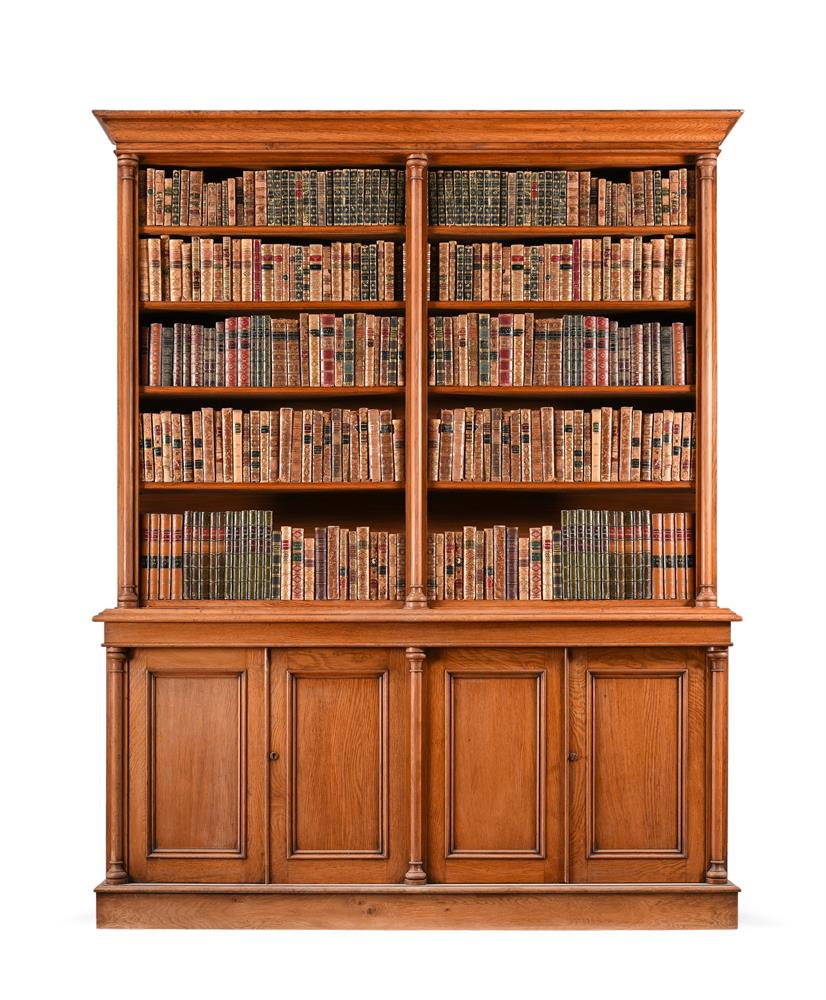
(435,907)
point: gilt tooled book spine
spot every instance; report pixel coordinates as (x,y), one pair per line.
(689,556)
(164,556)
(154,541)
(636,446)
(177,449)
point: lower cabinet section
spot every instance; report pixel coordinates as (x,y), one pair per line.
(337,795)
(537,766)
(637,732)
(197,765)
(496,771)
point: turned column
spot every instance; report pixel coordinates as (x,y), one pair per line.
(127,377)
(416,379)
(717,667)
(115,760)
(705,545)
(416,874)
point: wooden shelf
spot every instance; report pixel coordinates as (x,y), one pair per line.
(269,307)
(329,393)
(525,305)
(272,487)
(564,391)
(561,487)
(280,232)
(520,233)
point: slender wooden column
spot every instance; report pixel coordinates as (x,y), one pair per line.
(706,537)
(115,760)
(416,874)
(127,375)
(717,666)
(416,379)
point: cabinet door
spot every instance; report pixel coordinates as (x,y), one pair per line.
(637,786)
(338,807)
(197,765)
(496,772)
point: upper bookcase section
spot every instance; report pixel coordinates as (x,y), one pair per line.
(448,138)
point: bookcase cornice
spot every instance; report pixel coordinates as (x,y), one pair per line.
(396,134)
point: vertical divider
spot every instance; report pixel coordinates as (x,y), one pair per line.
(127,378)
(416,382)
(706,347)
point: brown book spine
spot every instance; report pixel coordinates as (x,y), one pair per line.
(166,446)
(177,557)
(362,540)
(147,463)
(296,446)
(626,418)
(151,592)
(145,556)
(177,449)
(595,427)
(689,556)
(636,445)
(499,562)
(317,447)
(164,556)
(667,446)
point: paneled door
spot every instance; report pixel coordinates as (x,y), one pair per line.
(637,724)
(339,742)
(496,765)
(197,765)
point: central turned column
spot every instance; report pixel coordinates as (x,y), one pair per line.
(416,379)
(416,874)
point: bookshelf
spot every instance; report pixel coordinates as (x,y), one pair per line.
(349,762)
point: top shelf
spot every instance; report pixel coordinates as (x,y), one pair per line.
(293,232)
(498,233)
(492,233)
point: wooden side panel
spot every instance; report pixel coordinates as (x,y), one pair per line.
(637,787)
(197,765)
(495,804)
(338,728)
(496,734)
(338,743)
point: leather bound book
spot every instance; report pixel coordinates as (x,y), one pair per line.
(636,446)
(511,564)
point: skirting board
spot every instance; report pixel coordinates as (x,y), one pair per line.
(435,907)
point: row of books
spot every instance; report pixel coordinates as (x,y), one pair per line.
(315,349)
(561,198)
(591,555)
(550,444)
(201,269)
(180,197)
(573,350)
(243,555)
(584,270)
(269,446)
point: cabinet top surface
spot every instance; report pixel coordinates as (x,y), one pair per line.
(236,612)
(313,132)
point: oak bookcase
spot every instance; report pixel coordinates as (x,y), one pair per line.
(399,765)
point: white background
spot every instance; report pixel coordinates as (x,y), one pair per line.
(57,557)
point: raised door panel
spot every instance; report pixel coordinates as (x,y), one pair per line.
(197,765)
(337,805)
(637,796)
(495,775)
